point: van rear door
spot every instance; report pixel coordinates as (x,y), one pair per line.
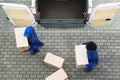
(103,14)
(19,15)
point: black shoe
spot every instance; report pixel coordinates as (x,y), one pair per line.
(32,53)
(25,50)
(41,45)
(86,70)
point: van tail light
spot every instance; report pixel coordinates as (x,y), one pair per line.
(35,16)
(87,16)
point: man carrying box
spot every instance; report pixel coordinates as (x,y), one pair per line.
(33,40)
(92,55)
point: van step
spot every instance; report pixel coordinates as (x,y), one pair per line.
(47,25)
(62,21)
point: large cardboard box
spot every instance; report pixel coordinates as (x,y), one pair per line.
(21,40)
(53,60)
(81,56)
(58,75)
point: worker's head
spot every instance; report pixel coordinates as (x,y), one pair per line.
(91,46)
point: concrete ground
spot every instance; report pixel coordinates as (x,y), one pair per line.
(60,41)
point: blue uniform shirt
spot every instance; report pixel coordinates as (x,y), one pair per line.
(93,59)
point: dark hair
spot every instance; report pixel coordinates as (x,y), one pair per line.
(90,46)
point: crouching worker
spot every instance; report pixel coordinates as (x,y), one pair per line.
(92,55)
(33,40)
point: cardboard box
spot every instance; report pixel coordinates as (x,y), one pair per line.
(21,40)
(81,56)
(54,60)
(58,75)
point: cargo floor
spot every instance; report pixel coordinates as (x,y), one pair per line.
(61,9)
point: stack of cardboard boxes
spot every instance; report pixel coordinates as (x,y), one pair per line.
(56,62)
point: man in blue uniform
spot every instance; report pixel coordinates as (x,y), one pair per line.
(33,40)
(92,55)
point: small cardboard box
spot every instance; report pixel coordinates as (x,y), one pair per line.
(54,60)
(81,56)
(58,75)
(21,40)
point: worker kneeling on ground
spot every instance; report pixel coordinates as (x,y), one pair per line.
(92,55)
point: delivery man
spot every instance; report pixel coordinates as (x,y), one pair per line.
(92,55)
(33,40)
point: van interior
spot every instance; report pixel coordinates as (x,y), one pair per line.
(61,9)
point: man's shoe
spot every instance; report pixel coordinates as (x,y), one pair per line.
(86,70)
(42,45)
(32,53)
(25,50)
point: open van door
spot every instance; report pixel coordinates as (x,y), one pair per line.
(19,15)
(103,14)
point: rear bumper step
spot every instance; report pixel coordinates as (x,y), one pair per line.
(62,21)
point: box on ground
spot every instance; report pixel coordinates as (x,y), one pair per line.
(58,75)
(53,60)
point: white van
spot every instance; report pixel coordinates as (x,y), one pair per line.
(60,11)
